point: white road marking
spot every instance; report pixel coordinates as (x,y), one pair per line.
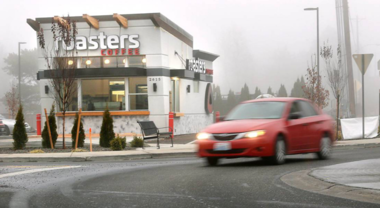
(35,171)
(192,142)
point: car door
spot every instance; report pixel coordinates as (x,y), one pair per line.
(312,125)
(296,129)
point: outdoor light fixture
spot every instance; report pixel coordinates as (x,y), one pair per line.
(154,87)
(46,89)
(175,78)
(144,60)
(124,61)
(188,88)
(310,9)
(107,61)
(70,62)
(88,62)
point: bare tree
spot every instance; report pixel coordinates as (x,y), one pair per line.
(11,98)
(61,63)
(337,78)
(313,90)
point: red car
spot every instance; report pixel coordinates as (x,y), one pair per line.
(269,128)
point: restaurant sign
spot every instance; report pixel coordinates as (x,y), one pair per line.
(196,65)
(109,45)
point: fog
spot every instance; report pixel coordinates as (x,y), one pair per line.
(260,42)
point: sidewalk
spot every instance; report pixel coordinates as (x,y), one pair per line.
(358,142)
(361,174)
(179,150)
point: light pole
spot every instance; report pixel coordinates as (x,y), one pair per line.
(19,72)
(318,84)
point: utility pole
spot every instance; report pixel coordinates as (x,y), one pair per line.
(318,79)
(19,72)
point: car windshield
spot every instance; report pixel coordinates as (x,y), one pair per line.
(257,110)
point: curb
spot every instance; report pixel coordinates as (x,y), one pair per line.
(303,180)
(99,158)
(369,145)
(27,157)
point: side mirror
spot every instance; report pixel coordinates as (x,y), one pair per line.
(295,115)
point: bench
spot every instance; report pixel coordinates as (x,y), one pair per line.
(150,131)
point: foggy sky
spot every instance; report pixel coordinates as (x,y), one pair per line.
(260,42)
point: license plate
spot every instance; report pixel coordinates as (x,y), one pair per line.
(222,146)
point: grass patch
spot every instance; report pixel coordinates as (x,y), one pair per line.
(79,150)
(37,151)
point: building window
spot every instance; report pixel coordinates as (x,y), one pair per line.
(131,61)
(138,93)
(109,62)
(97,94)
(73,106)
(101,62)
(196,86)
(90,62)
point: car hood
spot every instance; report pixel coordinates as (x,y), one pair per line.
(8,121)
(237,126)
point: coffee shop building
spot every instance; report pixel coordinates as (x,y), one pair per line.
(140,66)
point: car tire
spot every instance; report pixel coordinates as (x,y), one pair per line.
(279,152)
(212,161)
(324,148)
(7,132)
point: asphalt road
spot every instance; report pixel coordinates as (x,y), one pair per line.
(183,182)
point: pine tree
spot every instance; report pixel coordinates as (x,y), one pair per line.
(297,90)
(231,102)
(218,102)
(270,91)
(53,130)
(106,131)
(244,94)
(257,93)
(81,136)
(282,91)
(20,138)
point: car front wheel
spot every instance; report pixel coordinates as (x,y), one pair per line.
(325,148)
(280,152)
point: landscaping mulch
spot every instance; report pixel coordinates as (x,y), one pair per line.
(58,150)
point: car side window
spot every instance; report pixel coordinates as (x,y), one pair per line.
(296,108)
(308,109)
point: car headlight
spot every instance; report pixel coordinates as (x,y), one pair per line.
(202,135)
(254,134)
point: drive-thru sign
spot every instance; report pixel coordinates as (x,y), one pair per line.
(363,60)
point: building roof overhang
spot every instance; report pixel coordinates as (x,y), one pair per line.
(158,20)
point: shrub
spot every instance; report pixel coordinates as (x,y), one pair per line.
(20,138)
(53,130)
(81,136)
(118,143)
(37,151)
(137,142)
(106,131)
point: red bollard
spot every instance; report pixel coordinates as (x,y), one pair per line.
(171,123)
(38,118)
(217,116)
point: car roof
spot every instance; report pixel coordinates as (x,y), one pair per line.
(276,99)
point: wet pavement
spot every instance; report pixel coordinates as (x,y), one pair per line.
(363,174)
(180,182)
